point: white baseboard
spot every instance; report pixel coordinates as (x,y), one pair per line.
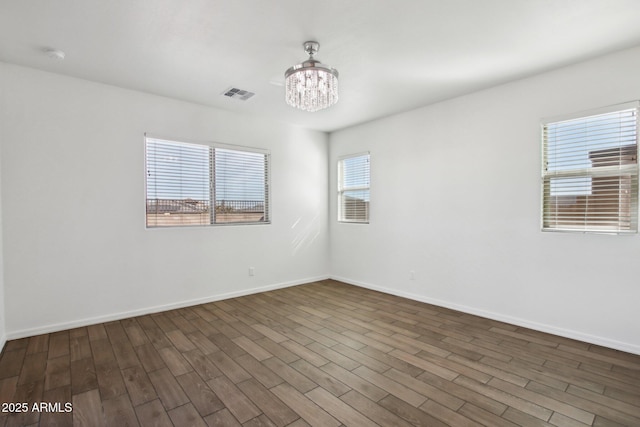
(149,310)
(576,335)
(3,341)
(605,342)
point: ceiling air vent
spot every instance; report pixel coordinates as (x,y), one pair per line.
(239,94)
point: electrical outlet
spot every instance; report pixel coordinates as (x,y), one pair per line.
(252,271)
(412,275)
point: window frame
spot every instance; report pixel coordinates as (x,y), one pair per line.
(211,147)
(343,189)
(629,171)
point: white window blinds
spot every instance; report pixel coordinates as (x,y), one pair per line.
(353,188)
(194,184)
(590,172)
(241,180)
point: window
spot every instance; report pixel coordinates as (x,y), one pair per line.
(353,188)
(590,171)
(185,180)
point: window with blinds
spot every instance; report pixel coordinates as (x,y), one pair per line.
(353,188)
(195,184)
(590,171)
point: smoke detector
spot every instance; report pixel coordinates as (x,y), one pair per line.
(54,53)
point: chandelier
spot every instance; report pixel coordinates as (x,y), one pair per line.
(311,85)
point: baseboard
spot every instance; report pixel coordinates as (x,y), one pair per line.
(155,309)
(541,327)
(576,335)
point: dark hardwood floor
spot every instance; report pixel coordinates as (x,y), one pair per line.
(323,354)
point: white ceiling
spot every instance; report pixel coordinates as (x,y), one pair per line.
(392,56)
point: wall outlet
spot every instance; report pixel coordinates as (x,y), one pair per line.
(252,271)
(412,275)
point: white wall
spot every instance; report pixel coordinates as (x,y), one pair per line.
(3,328)
(455,197)
(76,250)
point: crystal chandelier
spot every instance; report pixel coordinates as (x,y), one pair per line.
(311,85)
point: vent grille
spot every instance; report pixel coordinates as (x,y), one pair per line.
(239,94)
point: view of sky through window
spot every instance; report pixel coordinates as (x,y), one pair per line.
(182,171)
(177,170)
(576,145)
(356,174)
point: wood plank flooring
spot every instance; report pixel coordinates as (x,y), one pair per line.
(322,354)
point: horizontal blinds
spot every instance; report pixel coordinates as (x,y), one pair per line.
(183,179)
(240,186)
(353,188)
(590,173)
(178,183)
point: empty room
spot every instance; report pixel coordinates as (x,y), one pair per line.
(337,213)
